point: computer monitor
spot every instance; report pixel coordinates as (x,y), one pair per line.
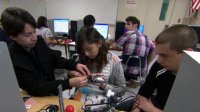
(141,28)
(197,30)
(102,29)
(184,95)
(61,26)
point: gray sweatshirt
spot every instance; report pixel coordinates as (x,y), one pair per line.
(114,74)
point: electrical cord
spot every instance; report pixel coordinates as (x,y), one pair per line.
(86,99)
(115,101)
(49,108)
(125,90)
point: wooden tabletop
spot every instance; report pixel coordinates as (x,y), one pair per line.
(40,102)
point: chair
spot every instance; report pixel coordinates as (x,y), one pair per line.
(75,55)
(140,70)
(4,37)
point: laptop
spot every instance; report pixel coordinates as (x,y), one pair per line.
(10,97)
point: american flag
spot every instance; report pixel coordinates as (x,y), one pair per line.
(195,5)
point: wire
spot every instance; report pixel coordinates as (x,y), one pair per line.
(44,107)
(131,92)
(47,107)
(87,99)
(113,101)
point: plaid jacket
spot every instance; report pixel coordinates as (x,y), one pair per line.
(136,44)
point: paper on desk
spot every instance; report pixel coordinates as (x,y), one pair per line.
(29,103)
(68,93)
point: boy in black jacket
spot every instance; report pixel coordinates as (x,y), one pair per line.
(170,44)
(33,61)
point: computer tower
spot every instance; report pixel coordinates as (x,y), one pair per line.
(50,25)
(79,24)
(119,31)
(73,30)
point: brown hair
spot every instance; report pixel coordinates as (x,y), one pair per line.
(13,20)
(134,20)
(91,35)
(180,37)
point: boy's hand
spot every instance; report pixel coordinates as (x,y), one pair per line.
(78,81)
(82,69)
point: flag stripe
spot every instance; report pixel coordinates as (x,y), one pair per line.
(196,4)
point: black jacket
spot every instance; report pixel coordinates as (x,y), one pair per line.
(35,69)
(159,80)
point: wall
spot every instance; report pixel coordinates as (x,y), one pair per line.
(105,11)
(139,11)
(148,11)
(35,7)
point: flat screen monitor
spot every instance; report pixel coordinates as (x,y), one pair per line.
(197,30)
(102,29)
(141,28)
(61,26)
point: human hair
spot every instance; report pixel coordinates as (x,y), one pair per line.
(91,35)
(180,37)
(134,20)
(42,22)
(89,20)
(13,20)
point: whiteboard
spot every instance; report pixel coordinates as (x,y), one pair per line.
(105,11)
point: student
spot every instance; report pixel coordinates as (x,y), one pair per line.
(134,43)
(169,46)
(33,61)
(93,52)
(89,20)
(43,30)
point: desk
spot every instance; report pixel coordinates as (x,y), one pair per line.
(42,101)
(92,96)
(71,49)
(63,42)
(73,44)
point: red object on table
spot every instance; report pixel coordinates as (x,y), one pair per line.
(67,41)
(69,108)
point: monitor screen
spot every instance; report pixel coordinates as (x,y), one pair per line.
(102,29)
(197,30)
(141,28)
(61,26)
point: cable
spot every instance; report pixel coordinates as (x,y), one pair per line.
(131,92)
(49,108)
(112,101)
(87,99)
